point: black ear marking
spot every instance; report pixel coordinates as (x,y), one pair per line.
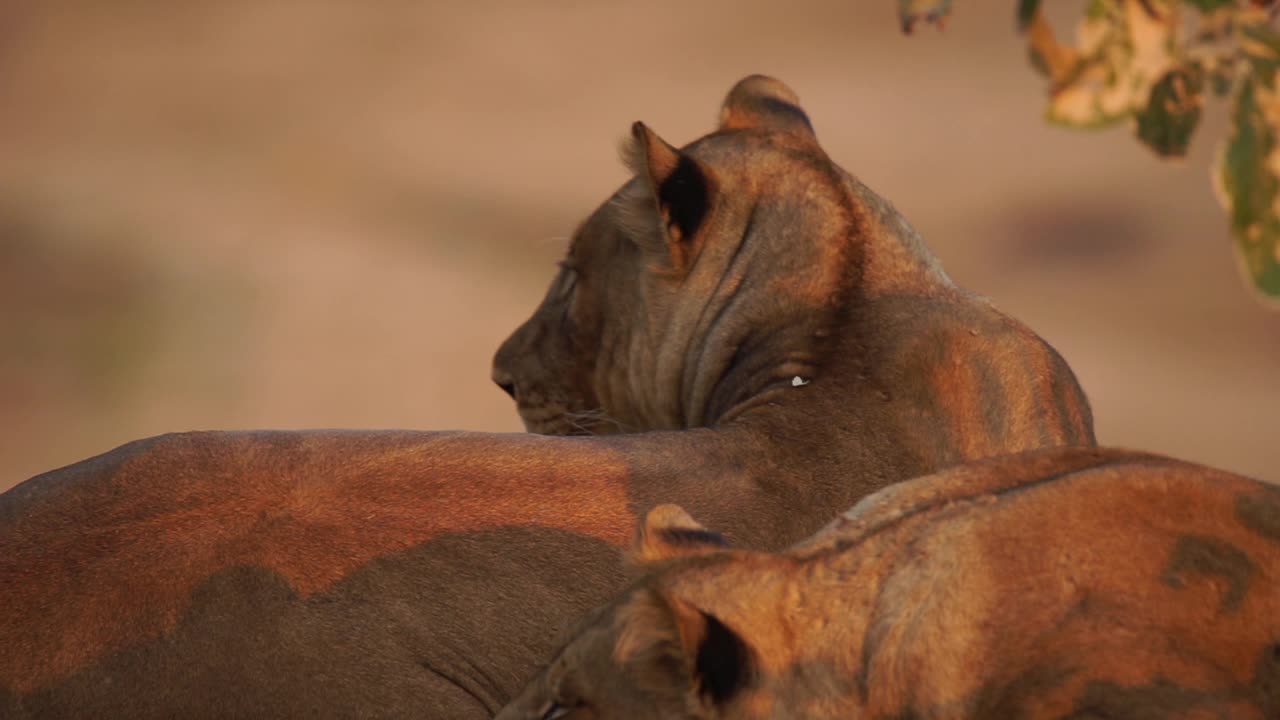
(684,197)
(764,103)
(724,664)
(692,537)
(668,532)
(681,186)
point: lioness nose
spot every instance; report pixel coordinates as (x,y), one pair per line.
(505,382)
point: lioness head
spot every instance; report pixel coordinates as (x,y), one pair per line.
(656,652)
(709,277)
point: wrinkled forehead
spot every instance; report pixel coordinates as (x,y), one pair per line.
(757,151)
(745,164)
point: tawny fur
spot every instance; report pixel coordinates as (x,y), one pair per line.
(1052,584)
(385,573)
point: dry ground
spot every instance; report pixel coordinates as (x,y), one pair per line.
(315,214)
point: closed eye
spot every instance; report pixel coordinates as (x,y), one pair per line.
(555,710)
(568,279)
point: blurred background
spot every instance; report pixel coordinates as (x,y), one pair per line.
(318,214)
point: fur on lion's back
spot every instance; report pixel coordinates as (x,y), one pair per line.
(1059,581)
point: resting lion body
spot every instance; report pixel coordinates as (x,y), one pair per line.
(1061,583)
(743,328)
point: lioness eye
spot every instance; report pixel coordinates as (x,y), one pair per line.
(568,280)
(555,710)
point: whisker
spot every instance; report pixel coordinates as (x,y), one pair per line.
(585,420)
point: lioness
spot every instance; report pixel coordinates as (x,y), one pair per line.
(1058,583)
(771,339)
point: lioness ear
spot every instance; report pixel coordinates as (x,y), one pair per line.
(664,639)
(761,102)
(680,185)
(668,532)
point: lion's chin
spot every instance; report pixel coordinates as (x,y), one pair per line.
(546,422)
(566,422)
(544,428)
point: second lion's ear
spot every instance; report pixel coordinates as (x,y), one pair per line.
(665,640)
(668,532)
(682,188)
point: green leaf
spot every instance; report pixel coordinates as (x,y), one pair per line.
(1172,113)
(1121,53)
(1265,70)
(1207,6)
(1248,186)
(1099,9)
(1026,13)
(1263,36)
